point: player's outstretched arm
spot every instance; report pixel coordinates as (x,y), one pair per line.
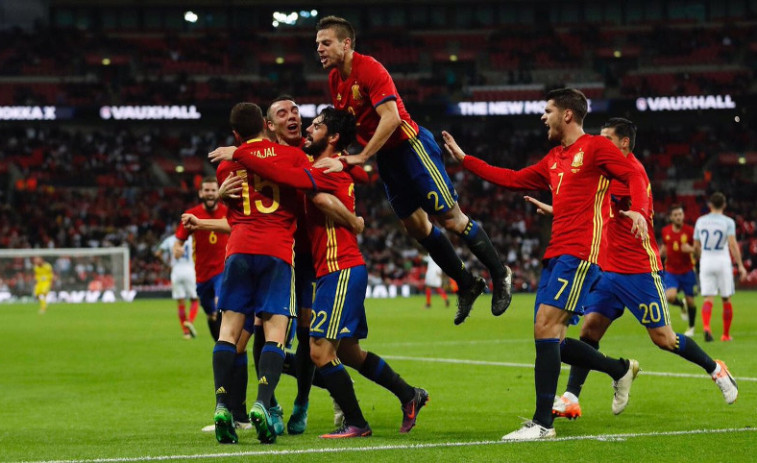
(296,177)
(192,223)
(541,208)
(222,153)
(534,177)
(639,228)
(338,212)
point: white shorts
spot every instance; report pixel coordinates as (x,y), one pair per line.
(716,278)
(183,284)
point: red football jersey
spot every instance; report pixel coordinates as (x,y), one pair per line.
(263,220)
(626,253)
(368,85)
(579,177)
(209,248)
(677,261)
(334,246)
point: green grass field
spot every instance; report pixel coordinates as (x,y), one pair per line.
(116,382)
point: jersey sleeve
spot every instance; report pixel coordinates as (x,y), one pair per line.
(358,174)
(283,173)
(697,231)
(181,232)
(379,83)
(609,158)
(534,177)
(730,228)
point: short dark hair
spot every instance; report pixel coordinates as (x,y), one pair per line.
(341,26)
(570,98)
(283,97)
(247,119)
(209,179)
(675,206)
(623,128)
(342,123)
(717,200)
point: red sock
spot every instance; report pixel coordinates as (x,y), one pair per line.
(706,314)
(442,293)
(727,317)
(182,315)
(428,296)
(193,310)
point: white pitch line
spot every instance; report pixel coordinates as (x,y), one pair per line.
(531,365)
(598,437)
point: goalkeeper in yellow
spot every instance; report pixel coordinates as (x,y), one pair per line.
(43,274)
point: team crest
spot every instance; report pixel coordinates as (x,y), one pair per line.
(356,92)
(578,159)
(338,97)
(684,238)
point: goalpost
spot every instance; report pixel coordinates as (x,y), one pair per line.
(81,274)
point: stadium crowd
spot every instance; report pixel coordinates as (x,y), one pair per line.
(66,192)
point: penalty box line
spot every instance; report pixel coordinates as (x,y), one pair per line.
(598,437)
(531,365)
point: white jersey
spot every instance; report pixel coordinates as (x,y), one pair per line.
(713,230)
(433,273)
(715,267)
(183,278)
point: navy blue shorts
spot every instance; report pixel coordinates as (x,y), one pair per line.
(338,310)
(686,282)
(304,280)
(565,283)
(414,176)
(256,284)
(642,293)
(208,293)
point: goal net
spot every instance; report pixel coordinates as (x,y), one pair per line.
(80,274)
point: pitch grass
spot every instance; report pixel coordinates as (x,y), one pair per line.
(117,381)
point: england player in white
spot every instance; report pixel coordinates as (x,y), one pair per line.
(434,281)
(715,243)
(183,280)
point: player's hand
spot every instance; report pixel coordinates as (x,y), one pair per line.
(190,222)
(330,164)
(231,188)
(358,225)
(541,208)
(451,146)
(742,273)
(639,227)
(223,153)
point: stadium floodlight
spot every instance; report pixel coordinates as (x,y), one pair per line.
(190,17)
(81,274)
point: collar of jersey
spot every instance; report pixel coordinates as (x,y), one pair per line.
(254,140)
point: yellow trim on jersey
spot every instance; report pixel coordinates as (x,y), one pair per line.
(646,243)
(658,284)
(408,129)
(575,288)
(332,248)
(599,198)
(292,297)
(339,298)
(425,159)
(253,140)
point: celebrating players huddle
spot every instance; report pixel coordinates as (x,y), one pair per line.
(599,191)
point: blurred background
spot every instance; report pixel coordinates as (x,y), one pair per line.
(109,108)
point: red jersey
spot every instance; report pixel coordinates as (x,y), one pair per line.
(626,253)
(369,85)
(334,246)
(677,261)
(208,248)
(579,177)
(263,220)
